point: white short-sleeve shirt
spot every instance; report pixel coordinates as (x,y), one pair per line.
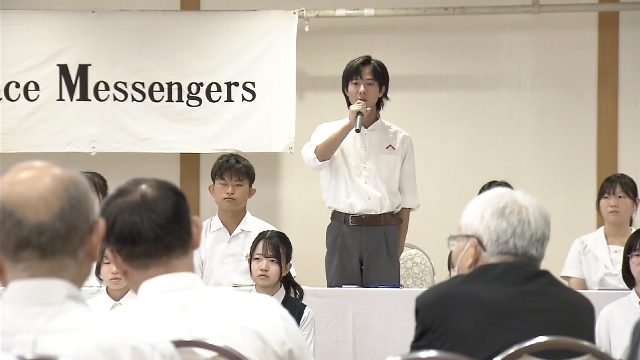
(372,172)
(589,259)
(103,303)
(615,325)
(222,259)
(180,306)
(49,316)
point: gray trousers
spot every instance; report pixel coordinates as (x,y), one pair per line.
(362,255)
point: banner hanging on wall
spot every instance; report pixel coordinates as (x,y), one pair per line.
(147,81)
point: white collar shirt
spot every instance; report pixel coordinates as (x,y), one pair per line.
(222,258)
(307,323)
(181,306)
(371,173)
(590,259)
(615,325)
(103,303)
(49,316)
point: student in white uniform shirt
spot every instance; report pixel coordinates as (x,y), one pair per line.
(594,260)
(616,321)
(150,237)
(368,179)
(50,233)
(269,251)
(116,291)
(221,259)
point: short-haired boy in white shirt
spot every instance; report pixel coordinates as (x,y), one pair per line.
(221,259)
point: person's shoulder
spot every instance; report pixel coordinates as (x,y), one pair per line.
(395,129)
(259,224)
(592,236)
(441,292)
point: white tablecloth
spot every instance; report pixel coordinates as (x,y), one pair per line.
(371,324)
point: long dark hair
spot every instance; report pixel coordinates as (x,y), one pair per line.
(632,245)
(276,244)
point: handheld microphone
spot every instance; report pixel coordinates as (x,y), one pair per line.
(359,117)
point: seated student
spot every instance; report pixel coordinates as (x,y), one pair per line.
(150,237)
(221,259)
(50,232)
(615,322)
(269,251)
(100,187)
(594,260)
(116,291)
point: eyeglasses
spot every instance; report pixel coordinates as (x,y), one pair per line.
(453,239)
(634,258)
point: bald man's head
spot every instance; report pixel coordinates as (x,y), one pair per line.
(47,213)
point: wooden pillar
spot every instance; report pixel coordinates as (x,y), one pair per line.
(190,163)
(607,131)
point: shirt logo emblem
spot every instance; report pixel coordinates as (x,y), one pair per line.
(390,147)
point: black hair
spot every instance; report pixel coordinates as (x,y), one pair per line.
(98,183)
(609,185)
(450,261)
(494,184)
(276,244)
(353,70)
(148,222)
(234,165)
(101,255)
(632,245)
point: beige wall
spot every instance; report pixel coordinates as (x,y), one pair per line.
(484,97)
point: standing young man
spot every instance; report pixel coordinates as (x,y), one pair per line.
(368,180)
(221,259)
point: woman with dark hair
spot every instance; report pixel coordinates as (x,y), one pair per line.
(98,183)
(594,260)
(616,321)
(116,291)
(269,265)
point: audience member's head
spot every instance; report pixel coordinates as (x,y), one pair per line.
(49,223)
(494,184)
(501,225)
(149,230)
(450,265)
(98,183)
(631,261)
(618,199)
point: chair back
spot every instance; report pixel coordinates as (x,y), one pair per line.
(416,268)
(34,357)
(220,349)
(430,354)
(545,343)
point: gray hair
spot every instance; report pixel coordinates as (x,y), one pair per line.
(57,229)
(508,222)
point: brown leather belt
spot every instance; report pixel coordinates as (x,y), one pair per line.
(366,220)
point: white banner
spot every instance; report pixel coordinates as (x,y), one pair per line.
(147,81)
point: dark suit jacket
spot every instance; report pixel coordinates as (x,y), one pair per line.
(497,306)
(635,343)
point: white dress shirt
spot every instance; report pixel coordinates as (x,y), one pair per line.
(615,325)
(222,259)
(103,303)
(181,306)
(590,259)
(371,173)
(307,323)
(48,316)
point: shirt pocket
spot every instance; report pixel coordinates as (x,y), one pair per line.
(389,170)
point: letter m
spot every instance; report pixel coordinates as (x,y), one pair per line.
(82,79)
